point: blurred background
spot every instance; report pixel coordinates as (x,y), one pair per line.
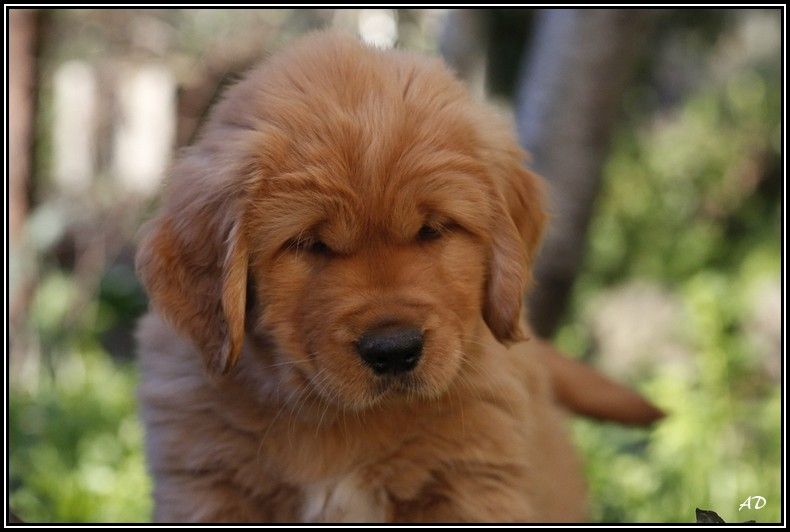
(658,131)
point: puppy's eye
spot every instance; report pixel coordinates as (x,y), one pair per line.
(428,232)
(312,246)
(318,248)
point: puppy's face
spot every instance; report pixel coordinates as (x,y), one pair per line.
(372,277)
(375,215)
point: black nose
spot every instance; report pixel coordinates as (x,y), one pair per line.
(393,349)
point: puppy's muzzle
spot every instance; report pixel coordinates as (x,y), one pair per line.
(391,350)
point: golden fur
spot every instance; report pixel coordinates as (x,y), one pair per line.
(291,227)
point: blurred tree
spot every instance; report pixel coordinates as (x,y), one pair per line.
(21,95)
(462,43)
(23,28)
(569,95)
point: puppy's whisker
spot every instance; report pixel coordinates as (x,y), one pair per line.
(461,411)
(288,363)
(276,417)
(345,426)
(491,381)
(303,398)
(473,341)
(330,400)
(321,420)
(315,382)
(293,419)
(468,383)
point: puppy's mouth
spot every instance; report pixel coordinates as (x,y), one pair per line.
(377,390)
(404,385)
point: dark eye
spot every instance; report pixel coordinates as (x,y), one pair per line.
(317,247)
(312,246)
(428,232)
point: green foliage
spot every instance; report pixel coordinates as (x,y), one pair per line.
(691,203)
(75,437)
(77,444)
(680,193)
(720,442)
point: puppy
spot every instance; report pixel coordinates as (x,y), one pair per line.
(336,279)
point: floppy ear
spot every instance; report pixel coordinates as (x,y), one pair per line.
(192,262)
(516,231)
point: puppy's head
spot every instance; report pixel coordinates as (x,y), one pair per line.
(376,216)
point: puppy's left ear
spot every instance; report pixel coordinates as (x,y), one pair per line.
(519,218)
(192,258)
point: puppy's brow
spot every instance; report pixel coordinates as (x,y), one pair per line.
(294,183)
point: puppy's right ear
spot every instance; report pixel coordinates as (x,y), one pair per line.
(192,261)
(518,225)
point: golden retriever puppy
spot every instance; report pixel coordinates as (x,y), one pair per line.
(336,278)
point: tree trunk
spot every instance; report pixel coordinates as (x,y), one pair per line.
(569,95)
(22,27)
(462,43)
(21,102)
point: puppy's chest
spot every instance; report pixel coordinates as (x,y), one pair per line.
(347,499)
(379,491)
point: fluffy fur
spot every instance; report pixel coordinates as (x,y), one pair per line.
(295,224)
